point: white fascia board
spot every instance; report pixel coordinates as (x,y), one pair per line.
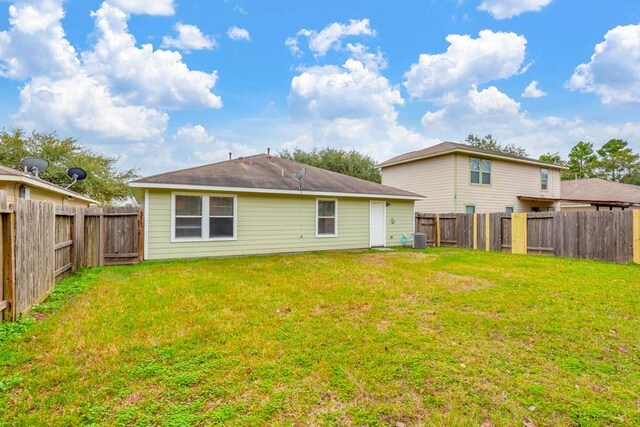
(270,191)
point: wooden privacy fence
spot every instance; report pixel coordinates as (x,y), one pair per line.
(606,235)
(43,243)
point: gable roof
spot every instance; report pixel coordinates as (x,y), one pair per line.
(596,190)
(14,175)
(269,174)
(456,147)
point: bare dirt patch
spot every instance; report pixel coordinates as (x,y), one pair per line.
(458,283)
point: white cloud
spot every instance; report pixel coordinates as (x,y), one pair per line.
(350,106)
(504,9)
(81,103)
(189,38)
(533,91)
(157,78)
(491,101)
(35,44)
(204,147)
(467,62)
(237,33)
(330,37)
(146,7)
(294,47)
(614,70)
(114,91)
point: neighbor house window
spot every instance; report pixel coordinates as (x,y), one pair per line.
(470,209)
(204,217)
(327,215)
(544,178)
(221,217)
(188,221)
(480,171)
(509,209)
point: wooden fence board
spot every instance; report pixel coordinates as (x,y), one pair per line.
(43,243)
(604,235)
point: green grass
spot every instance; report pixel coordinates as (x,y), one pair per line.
(440,337)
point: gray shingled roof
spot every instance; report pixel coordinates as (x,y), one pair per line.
(445,147)
(270,173)
(599,190)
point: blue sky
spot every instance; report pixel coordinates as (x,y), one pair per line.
(168,83)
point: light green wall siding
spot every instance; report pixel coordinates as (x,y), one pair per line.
(275,223)
(400,218)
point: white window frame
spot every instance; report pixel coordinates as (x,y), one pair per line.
(480,172)
(204,237)
(506,209)
(541,180)
(322,236)
(469,206)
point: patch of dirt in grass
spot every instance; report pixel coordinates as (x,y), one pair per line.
(384,258)
(458,283)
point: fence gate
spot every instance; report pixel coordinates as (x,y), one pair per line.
(121,231)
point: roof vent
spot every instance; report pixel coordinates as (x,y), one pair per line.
(230,155)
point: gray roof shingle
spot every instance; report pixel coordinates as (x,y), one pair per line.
(271,173)
(599,190)
(445,147)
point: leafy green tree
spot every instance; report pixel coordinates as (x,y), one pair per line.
(554,158)
(488,143)
(349,163)
(105,182)
(616,160)
(582,161)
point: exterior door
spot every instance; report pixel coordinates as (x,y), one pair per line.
(377,232)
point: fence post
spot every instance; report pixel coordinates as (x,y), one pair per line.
(8,273)
(518,233)
(475,231)
(636,236)
(487,232)
(437,230)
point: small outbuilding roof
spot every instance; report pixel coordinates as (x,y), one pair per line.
(455,147)
(14,175)
(269,174)
(599,191)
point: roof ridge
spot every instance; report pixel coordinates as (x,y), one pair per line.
(198,167)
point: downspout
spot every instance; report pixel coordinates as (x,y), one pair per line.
(455,182)
(146,225)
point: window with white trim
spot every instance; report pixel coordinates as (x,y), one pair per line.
(204,217)
(188,216)
(480,171)
(221,217)
(327,215)
(509,209)
(470,209)
(544,178)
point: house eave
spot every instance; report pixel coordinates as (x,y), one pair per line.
(46,186)
(143,185)
(473,153)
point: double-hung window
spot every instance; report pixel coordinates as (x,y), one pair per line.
(188,216)
(544,178)
(480,171)
(327,218)
(221,217)
(204,217)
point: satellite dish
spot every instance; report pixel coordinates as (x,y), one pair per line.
(77,174)
(34,165)
(300,177)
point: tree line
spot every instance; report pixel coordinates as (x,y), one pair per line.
(614,161)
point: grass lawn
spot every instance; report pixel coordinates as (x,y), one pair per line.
(444,337)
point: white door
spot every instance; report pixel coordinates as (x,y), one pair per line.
(377,224)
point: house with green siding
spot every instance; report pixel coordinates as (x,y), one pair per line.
(264,204)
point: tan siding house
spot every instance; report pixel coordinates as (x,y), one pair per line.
(459,178)
(18,184)
(255,205)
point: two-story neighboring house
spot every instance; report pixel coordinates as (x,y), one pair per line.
(460,178)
